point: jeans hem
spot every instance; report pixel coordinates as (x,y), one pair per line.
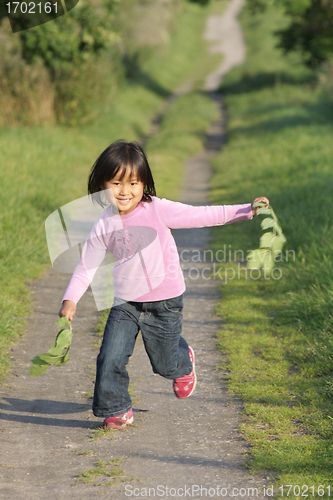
(107,414)
(172,377)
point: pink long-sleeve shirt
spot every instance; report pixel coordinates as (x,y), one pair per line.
(146,262)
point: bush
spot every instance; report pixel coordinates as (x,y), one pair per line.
(310,30)
(326,77)
(26,93)
(83,92)
(61,70)
(71,39)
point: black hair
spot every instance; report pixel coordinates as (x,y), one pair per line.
(118,157)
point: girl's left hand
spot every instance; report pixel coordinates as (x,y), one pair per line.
(257,200)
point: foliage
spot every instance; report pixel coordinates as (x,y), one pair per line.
(26,91)
(310,28)
(56,353)
(70,39)
(201,2)
(82,92)
(64,71)
(271,242)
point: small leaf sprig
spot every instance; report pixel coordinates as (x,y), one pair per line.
(271,242)
(56,353)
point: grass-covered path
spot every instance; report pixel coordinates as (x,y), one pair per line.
(277,332)
(48,448)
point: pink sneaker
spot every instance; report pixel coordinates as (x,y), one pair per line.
(119,421)
(184,386)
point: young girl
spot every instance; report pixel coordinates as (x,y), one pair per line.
(147,277)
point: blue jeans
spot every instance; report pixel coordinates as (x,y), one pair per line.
(160,323)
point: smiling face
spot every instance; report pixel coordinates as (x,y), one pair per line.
(127,191)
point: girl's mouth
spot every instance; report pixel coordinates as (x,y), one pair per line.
(123,202)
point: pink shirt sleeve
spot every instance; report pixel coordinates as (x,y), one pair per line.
(177,215)
(93,253)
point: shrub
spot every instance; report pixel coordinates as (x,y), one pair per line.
(310,30)
(26,93)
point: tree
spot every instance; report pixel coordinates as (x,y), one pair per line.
(70,39)
(310,30)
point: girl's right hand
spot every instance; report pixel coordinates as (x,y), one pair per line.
(68,309)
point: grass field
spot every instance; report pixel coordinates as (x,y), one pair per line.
(44,168)
(277,334)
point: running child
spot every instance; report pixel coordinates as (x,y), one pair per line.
(148,281)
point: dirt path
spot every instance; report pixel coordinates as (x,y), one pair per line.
(176,448)
(225,34)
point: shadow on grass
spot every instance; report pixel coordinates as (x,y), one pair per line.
(258,81)
(311,114)
(135,74)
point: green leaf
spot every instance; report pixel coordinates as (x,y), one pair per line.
(259,204)
(38,361)
(256,258)
(54,354)
(63,360)
(48,358)
(37,370)
(64,338)
(268,263)
(63,322)
(55,350)
(267,223)
(66,357)
(264,211)
(277,244)
(266,240)
(271,242)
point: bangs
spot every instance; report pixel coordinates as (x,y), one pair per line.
(129,169)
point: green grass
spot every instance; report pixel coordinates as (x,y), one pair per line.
(44,168)
(101,474)
(277,333)
(98,432)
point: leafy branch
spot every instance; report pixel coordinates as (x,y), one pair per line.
(56,353)
(271,242)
